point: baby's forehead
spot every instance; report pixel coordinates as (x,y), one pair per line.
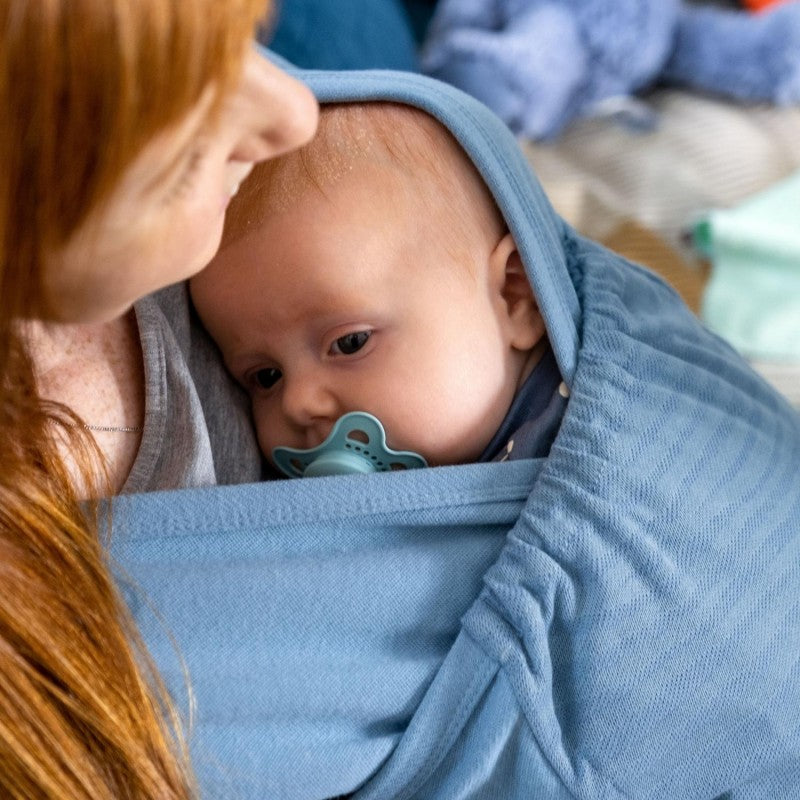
(383,137)
(388,141)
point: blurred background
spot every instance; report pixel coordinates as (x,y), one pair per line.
(669,131)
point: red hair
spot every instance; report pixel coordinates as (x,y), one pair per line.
(84,85)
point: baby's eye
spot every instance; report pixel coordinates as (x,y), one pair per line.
(350,343)
(266,378)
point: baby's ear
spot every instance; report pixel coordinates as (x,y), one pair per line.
(519,309)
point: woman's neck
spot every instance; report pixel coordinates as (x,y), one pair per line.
(96,370)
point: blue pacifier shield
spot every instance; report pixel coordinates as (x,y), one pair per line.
(357,444)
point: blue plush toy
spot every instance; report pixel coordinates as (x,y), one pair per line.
(542,63)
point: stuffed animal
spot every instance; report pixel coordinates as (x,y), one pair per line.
(542,63)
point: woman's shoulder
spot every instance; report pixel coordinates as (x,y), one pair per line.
(197,429)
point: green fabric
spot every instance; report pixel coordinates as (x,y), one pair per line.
(753,296)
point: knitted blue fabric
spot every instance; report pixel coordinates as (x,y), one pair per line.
(542,63)
(618,620)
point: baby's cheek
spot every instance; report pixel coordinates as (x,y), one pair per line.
(419,432)
(265,432)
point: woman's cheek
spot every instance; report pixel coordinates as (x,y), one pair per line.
(193,240)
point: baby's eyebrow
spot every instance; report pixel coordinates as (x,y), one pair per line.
(242,361)
(233,362)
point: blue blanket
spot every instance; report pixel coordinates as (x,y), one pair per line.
(618,620)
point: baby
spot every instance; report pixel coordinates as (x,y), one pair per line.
(371,271)
(545,628)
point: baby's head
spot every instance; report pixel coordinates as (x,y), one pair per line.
(371,271)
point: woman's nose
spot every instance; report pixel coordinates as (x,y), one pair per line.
(281,112)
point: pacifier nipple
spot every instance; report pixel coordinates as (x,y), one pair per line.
(357,444)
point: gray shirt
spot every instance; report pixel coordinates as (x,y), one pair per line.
(197,427)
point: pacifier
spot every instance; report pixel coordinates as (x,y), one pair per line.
(357,444)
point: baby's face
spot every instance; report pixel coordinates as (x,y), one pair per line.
(351,302)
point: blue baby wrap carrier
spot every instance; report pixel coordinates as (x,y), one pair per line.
(618,620)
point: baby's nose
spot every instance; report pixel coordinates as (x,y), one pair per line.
(310,404)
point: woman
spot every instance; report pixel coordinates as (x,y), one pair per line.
(126,128)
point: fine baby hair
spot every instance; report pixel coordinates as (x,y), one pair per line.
(353,135)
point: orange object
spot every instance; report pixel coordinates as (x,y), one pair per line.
(761,5)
